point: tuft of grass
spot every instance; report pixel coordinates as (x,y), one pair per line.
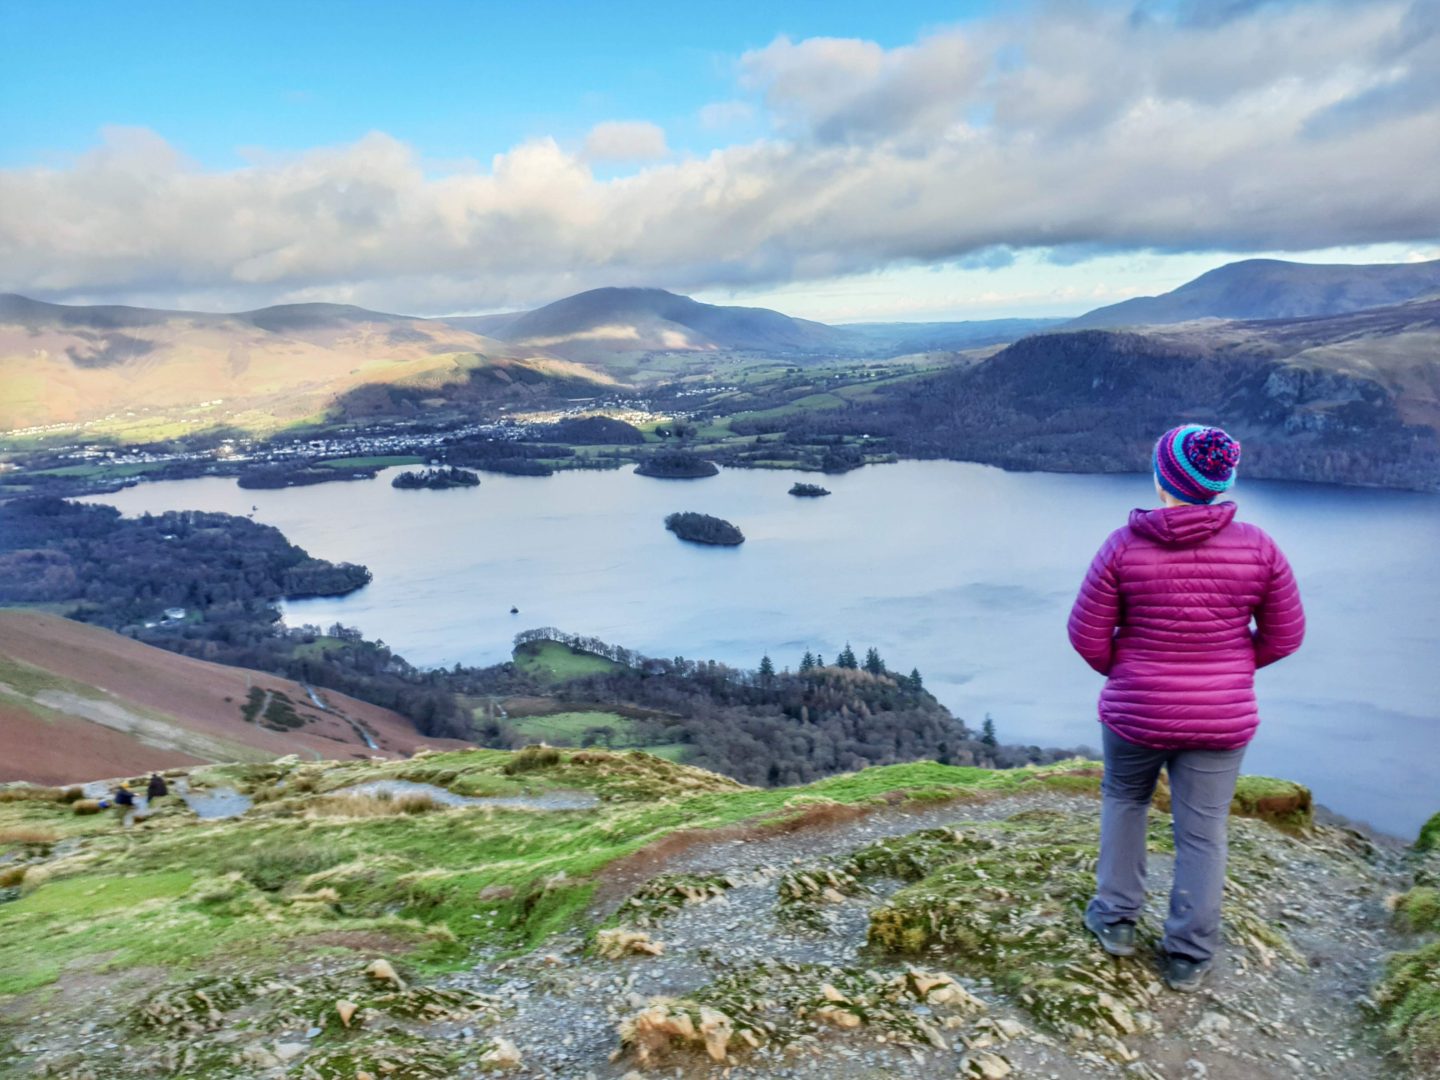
(32,793)
(21,835)
(382,804)
(1429,838)
(531,758)
(1409,1000)
(1418,911)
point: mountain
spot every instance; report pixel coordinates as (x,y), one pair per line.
(618,913)
(601,323)
(1273,289)
(1350,399)
(79,702)
(142,369)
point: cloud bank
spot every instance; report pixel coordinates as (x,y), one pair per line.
(1220,126)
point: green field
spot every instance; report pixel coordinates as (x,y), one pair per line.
(567,728)
(556,662)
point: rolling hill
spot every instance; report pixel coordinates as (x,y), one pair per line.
(254,370)
(1351,399)
(79,702)
(601,323)
(1273,289)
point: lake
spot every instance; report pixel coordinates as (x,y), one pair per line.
(964,571)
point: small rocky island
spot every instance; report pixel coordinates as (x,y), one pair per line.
(809,491)
(436,479)
(704,529)
(676,465)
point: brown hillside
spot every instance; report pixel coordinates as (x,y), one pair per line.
(79,702)
(70,365)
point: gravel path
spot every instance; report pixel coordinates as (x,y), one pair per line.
(1250,1023)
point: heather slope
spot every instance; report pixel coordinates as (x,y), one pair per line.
(79,702)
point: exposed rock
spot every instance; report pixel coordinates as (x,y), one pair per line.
(623,942)
(383,971)
(503,1054)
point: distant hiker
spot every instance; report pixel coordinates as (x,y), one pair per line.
(156,788)
(1165,614)
(124,796)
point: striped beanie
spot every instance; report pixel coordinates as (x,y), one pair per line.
(1195,463)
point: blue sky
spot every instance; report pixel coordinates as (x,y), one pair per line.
(453,79)
(838,160)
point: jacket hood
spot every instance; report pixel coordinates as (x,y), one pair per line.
(1182,526)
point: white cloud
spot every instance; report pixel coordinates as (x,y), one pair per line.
(1082,127)
(626,140)
(719,115)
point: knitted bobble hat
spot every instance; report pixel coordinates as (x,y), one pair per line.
(1196,463)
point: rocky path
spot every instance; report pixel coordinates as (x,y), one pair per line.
(743,955)
(1260,1017)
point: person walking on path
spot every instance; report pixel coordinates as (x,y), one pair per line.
(1165,613)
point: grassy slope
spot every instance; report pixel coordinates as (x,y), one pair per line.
(552,660)
(256,891)
(79,702)
(179,891)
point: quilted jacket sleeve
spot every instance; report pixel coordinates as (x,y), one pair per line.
(1280,618)
(1096,613)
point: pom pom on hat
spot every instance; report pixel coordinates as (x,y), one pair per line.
(1196,463)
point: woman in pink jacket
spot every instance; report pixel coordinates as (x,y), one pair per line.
(1165,613)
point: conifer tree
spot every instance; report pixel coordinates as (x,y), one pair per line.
(846,659)
(873,664)
(987,733)
(767,670)
(807,662)
(915,681)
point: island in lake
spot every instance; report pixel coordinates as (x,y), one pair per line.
(436,479)
(676,465)
(298,474)
(809,491)
(704,529)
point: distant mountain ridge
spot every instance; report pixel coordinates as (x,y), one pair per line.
(253,369)
(592,324)
(1273,289)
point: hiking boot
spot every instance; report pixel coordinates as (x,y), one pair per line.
(1183,974)
(1117,938)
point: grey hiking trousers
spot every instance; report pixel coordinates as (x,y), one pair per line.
(1202,783)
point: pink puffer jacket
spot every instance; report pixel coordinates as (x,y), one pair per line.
(1165,612)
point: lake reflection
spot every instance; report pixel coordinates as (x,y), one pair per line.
(964,571)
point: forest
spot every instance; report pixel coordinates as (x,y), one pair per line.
(769,727)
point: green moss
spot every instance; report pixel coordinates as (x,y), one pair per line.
(1280,802)
(1429,838)
(1418,911)
(1005,900)
(1409,1000)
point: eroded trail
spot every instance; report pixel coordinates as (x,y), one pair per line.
(920,939)
(1308,929)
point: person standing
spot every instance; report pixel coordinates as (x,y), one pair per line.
(1165,614)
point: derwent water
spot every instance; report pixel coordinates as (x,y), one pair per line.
(964,571)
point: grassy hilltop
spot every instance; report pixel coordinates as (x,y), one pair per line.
(247,946)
